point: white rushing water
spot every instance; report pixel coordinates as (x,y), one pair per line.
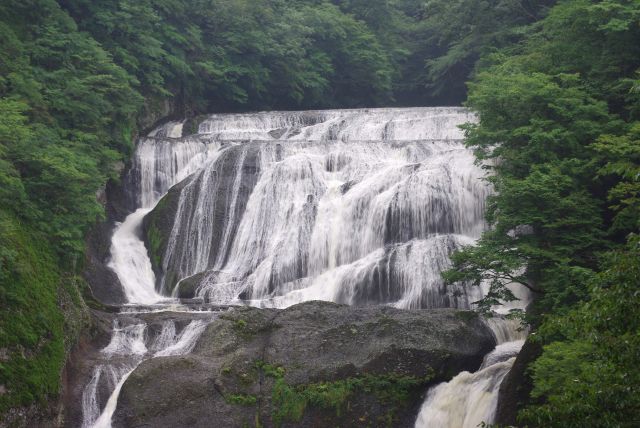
(352,206)
(130,261)
(159,164)
(470,399)
(129,346)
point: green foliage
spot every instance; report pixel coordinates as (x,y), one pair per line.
(391,390)
(64,107)
(76,75)
(269,370)
(155,242)
(221,55)
(556,87)
(588,373)
(241,399)
(451,36)
(548,121)
(290,401)
(621,158)
(289,404)
(559,134)
(31,325)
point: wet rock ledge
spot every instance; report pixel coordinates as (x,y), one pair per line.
(315,364)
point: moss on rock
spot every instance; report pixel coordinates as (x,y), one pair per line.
(41,318)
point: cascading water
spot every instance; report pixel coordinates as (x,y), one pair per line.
(272,209)
(129,346)
(470,399)
(353,206)
(160,163)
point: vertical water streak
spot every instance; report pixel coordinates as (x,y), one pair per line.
(90,407)
(185,341)
(104,420)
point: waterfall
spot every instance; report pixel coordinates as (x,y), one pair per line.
(161,161)
(470,399)
(352,206)
(466,401)
(271,209)
(129,346)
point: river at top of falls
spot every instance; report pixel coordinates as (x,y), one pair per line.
(352,206)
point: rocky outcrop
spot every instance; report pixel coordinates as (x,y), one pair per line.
(515,390)
(103,282)
(315,364)
(156,228)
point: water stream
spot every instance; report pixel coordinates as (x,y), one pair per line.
(130,346)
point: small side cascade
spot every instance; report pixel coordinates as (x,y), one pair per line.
(470,399)
(129,346)
(161,160)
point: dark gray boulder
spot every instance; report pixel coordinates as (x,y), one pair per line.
(316,364)
(515,390)
(103,282)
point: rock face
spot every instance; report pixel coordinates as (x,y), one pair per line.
(315,364)
(157,225)
(515,390)
(80,364)
(104,283)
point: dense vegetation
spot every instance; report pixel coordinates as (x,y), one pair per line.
(556,88)
(560,122)
(79,79)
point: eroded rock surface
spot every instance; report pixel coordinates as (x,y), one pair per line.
(315,364)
